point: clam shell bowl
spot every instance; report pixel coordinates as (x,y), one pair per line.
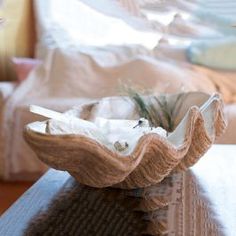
(197,121)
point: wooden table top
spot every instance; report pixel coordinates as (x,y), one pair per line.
(40,195)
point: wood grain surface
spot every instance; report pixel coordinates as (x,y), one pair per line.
(14,221)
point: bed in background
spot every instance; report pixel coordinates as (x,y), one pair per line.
(87,55)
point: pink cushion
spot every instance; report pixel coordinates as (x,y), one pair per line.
(23,66)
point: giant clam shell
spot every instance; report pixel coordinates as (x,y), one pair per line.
(199,121)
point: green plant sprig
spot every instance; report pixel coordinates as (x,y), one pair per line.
(156,109)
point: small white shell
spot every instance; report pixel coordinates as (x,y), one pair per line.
(121,145)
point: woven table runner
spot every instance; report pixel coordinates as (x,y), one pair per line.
(81,210)
(173,207)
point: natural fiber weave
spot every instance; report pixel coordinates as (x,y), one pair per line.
(199,122)
(85,211)
(81,210)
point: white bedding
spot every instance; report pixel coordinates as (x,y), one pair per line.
(88,53)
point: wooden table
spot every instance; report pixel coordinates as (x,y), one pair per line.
(15,219)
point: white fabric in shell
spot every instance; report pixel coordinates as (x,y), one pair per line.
(107,132)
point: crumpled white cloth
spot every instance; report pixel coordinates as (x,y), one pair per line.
(108,132)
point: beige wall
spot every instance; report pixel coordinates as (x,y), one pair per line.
(17,36)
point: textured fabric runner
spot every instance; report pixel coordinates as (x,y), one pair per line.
(173,207)
(80,210)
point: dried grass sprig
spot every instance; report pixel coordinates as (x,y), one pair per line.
(156,109)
